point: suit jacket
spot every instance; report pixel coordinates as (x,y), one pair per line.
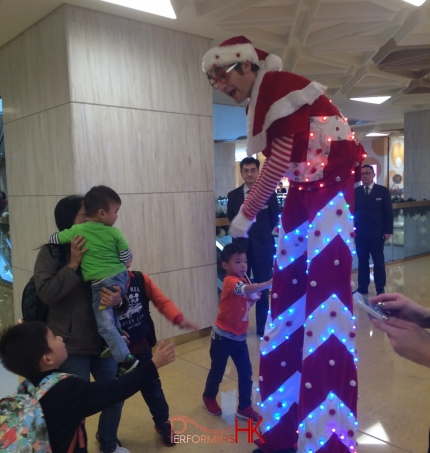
(260,239)
(373,216)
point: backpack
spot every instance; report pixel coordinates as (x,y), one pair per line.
(22,425)
(32,307)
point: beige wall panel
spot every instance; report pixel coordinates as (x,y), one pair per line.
(169,232)
(34,69)
(39,154)
(126,63)
(31,222)
(138,151)
(194,292)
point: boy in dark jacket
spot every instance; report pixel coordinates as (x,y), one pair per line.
(31,350)
(138,325)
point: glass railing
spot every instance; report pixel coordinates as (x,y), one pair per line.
(411,234)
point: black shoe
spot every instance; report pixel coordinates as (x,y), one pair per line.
(382,291)
(166,433)
(362,291)
(260,334)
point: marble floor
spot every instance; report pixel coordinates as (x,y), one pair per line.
(394,394)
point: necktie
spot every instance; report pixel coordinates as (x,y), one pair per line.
(367,191)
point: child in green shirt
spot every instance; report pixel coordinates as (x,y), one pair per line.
(104,264)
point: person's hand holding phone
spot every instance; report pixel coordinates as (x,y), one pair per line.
(399,306)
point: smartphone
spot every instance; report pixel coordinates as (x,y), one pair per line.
(372,310)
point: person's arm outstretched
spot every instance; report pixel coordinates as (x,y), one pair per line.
(252,288)
(274,169)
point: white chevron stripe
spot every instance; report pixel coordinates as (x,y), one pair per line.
(321,323)
(277,330)
(279,403)
(291,245)
(329,224)
(320,425)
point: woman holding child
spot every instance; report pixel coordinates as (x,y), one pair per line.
(71,316)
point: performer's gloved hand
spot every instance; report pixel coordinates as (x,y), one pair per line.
(240,225)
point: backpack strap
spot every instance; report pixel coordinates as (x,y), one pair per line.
(78,438)
(145,302)
(39,391)
(44,385)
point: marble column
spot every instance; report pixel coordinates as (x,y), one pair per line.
(225,168)
(417,155)
(91,98)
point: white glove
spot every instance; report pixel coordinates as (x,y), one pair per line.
(240,225)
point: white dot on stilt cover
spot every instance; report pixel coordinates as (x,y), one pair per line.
(261,378)
(274,295)
(308,385)
(294,281)
(283,363)
(331,362)
(352,383)
(336,262)
(313,283)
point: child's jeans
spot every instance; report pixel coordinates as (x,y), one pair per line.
(221,349)
(107,321)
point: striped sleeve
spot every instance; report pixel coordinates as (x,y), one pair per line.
(125,256)
(274,169)
(54,239)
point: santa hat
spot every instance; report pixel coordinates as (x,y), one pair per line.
(238,50)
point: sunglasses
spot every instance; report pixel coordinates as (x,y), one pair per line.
(220,76)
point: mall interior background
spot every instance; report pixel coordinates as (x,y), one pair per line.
(146,130)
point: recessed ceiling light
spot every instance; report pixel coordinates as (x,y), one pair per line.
(372,100)
(377,134)
(415,2)
(159,7)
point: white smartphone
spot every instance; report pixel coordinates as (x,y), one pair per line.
(372,310)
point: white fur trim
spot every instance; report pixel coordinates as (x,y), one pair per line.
(229,55)
(280,109)
(240,225)
(273,63)
(251,109)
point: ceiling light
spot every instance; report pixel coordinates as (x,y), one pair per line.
(415,2)
(159,7)
(377,134)
(372,100)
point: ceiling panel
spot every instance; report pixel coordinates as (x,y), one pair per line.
(356,48)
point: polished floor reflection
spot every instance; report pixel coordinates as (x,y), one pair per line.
(394,394)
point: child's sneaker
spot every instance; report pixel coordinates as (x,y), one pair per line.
(211,406)
(106,354)
(130,363)
(247,413)
(166,434)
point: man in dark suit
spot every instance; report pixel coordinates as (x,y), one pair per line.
(260,245)
(373,219)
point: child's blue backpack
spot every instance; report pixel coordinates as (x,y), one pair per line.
(22,424)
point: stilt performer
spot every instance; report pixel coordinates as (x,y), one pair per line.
(308,376)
